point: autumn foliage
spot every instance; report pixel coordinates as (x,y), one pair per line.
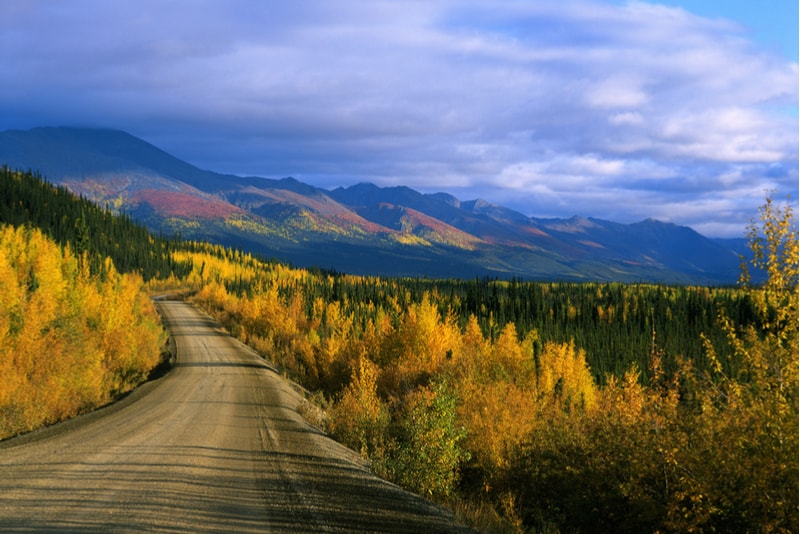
(523,425)
(69,340)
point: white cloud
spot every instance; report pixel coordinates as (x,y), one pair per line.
(597,107)
(621,92)
(626,118)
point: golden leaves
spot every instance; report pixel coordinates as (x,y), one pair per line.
(68,341)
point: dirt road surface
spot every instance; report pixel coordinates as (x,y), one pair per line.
(217,445)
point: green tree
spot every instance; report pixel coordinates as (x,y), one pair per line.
(428,445)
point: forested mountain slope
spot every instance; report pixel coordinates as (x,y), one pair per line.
(27,199)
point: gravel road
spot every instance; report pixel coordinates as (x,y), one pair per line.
(217,445)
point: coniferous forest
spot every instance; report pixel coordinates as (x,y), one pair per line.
(541,407)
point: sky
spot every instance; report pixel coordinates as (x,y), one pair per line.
(680,110)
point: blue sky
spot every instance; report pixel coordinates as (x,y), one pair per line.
(686,111)
(772,23)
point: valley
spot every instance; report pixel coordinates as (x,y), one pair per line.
(521,405)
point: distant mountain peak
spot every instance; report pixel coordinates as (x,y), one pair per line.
(446,198)
(575,224)
(477,204)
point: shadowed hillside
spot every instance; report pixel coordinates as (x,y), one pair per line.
(363,229)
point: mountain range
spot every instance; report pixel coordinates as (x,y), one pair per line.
(362,229)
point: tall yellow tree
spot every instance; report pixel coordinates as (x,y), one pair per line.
(750,478)
(360,419)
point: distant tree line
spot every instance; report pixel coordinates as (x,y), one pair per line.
(616,324)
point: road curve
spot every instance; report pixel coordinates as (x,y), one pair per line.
(217,445)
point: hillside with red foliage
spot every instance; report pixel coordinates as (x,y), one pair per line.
(185,205)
